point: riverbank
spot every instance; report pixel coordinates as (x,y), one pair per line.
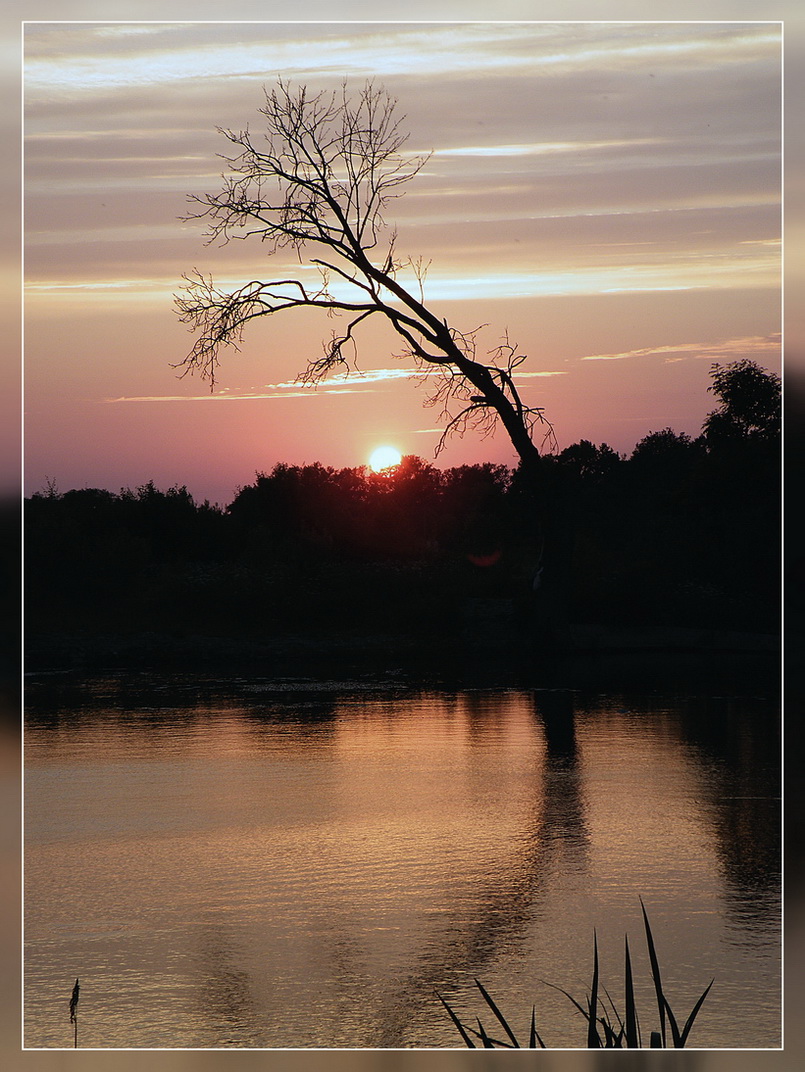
(574,656)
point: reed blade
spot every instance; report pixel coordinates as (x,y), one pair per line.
(570,997)
(632,1036)
(486,1041)
(501,1018)
(534,1039)
(593,1041)
(676,1038)
(611,1040)
(612,1006)
(694,1014)
(655,972)
(467,1040)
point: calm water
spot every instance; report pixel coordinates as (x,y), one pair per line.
(298,864)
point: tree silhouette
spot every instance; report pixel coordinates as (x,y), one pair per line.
(749,406)
(318,181)
(589,462)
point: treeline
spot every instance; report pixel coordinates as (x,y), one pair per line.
(684,531)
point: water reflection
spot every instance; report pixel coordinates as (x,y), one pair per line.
(227,998)
(565,825)
(554,840)
(322,864)
(739,759)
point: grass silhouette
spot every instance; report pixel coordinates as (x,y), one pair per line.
(607,1028)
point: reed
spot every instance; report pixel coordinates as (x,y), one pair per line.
(74,1013)
(606,1027)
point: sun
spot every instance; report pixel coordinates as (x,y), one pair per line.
(383,458)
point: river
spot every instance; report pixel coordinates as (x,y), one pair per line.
(308,863)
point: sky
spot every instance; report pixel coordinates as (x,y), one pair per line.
(605,194)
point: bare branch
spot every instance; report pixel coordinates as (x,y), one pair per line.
(334,352)
(219,317)
(321,175)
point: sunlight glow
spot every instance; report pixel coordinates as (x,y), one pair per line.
(383,458)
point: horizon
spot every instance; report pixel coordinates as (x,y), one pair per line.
(51,485)
(607,193)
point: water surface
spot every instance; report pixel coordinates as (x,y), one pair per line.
(257,863)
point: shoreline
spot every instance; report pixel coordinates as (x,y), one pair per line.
(579,655)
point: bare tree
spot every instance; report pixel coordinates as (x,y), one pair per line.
(319,179)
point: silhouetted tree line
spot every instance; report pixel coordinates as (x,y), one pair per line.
(684,531)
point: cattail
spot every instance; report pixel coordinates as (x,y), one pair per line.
(74,1002)
(74,1012)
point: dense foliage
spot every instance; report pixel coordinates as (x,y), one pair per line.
(683,532)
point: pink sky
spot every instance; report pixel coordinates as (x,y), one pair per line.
(608,194)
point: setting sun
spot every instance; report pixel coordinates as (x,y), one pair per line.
(384,458)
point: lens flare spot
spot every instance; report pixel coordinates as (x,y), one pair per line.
(383,458)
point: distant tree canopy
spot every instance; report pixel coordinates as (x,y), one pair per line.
(408,511)
(588,461)
(749,404)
